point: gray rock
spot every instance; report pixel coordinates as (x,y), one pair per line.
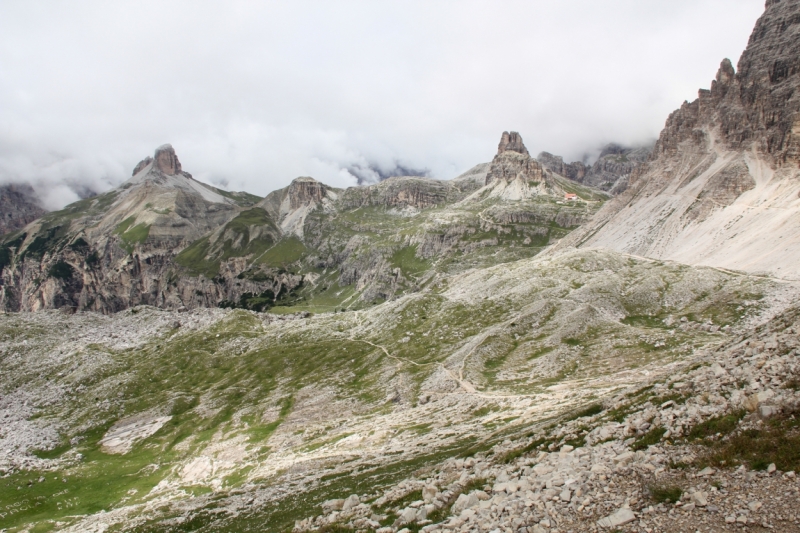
(350,502)
(619,518)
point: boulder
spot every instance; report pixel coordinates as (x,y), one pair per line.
(619,518)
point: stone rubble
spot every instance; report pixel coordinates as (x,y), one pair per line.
(605,484)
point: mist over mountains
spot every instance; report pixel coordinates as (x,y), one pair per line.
(286,95)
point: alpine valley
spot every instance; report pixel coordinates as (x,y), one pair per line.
(532,347)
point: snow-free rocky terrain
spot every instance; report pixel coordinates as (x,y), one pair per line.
(481,354)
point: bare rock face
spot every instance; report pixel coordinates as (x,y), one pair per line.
(513,161)
(304,191)
(141,165)
(757,107)
(407,191)
(610,172)
(18,207)
(721,186)
(166,161)
(574,171)
(291,205)
(511,142)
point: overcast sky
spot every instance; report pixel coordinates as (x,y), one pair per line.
(253,94)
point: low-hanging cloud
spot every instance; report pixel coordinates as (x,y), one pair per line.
(253,94)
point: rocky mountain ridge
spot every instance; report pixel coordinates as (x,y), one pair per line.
(165,239)
(610,172)
(721,187)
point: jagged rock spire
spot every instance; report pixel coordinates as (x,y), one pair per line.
(511,142)
(166,161)
(513,161)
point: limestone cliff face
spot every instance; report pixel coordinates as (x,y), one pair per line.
(18,207)
(166,161)
(400,192)
(722,184)
(291,205)
(513,162)
(511,142)
(574,171)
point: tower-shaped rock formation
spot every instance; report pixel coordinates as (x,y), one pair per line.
(511,142)
(513,161)
(166,161)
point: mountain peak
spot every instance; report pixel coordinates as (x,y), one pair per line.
(511,142)
(166,161)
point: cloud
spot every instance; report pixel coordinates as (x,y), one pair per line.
(253,94)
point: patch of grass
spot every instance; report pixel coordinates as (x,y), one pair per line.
(406,259)
(721,425)
(662,493)
(618,414)
(52,453)
(512,455)
(193,258)
(485,410)
(777,441)
(242,199)
(677,397)
(124,225)
(594,409)
(645,321)
(648,439)
(283,253)
(792,384)
(132,235)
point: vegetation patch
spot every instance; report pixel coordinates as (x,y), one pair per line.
(283,253)
(716,427)
(594,409)
(648,439)
(193,258)
(132,235)
(61,270)
(776,441)
(663,493)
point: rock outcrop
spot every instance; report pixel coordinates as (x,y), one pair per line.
(721,187)
(419,193)
(511,142)
(291,205)
(18,207)
(513,162)
(141,165)
(166,161)
(610,172)
(574,171)
(119,249)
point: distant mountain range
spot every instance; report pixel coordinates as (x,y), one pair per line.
(165,239)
